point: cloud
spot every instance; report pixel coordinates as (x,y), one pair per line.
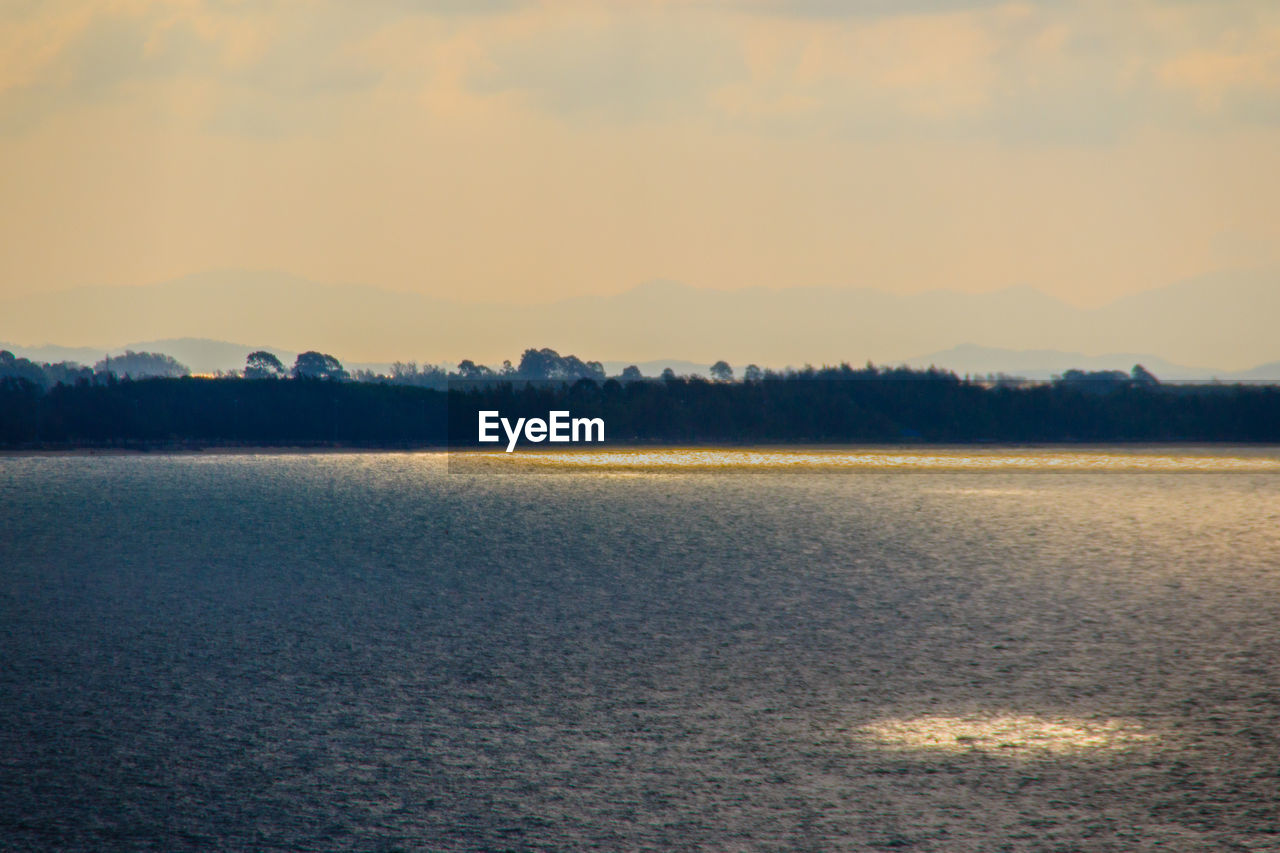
(1053,71)
(617,67)
(876,8)
(136,56)
(1240,77)
(267,57)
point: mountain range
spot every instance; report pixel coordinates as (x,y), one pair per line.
(1045,364)
(1221,325)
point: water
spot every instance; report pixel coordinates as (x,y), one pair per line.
(367,652)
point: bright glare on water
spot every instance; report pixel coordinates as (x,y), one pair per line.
(741,649)
(953,460)
(1005,735)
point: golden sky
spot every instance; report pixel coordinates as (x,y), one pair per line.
(528,151)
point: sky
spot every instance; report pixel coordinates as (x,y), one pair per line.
(530,151)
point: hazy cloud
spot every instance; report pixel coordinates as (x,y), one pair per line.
(619,69)
(877,8)
(1042,71)
(263,57)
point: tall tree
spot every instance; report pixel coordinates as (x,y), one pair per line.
(139,365)
(317,365)
(263,365)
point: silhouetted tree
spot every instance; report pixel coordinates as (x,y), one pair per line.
(1094,381)
(538,363)
(668,375)
(752,373)
(66,372)
(468,369)
(721,371)
(1141,376)
(317,365)
(631,373)
(139,365)
(408,373)
(404,371)
(12,367)
(549,364)
(263,365)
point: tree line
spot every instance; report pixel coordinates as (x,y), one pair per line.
(315,404)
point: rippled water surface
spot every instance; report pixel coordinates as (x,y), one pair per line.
(945,650)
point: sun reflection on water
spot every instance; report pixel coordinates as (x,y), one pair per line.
(942,460)
(1007,735)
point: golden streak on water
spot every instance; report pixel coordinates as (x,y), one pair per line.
(1002,459)
(1009,735)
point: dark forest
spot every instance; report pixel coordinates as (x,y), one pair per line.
(817,406)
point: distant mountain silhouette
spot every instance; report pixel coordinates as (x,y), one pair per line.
(1223,320)
(51,353)
(1045,364)
(1269,372)
(202,355)
(656,366)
